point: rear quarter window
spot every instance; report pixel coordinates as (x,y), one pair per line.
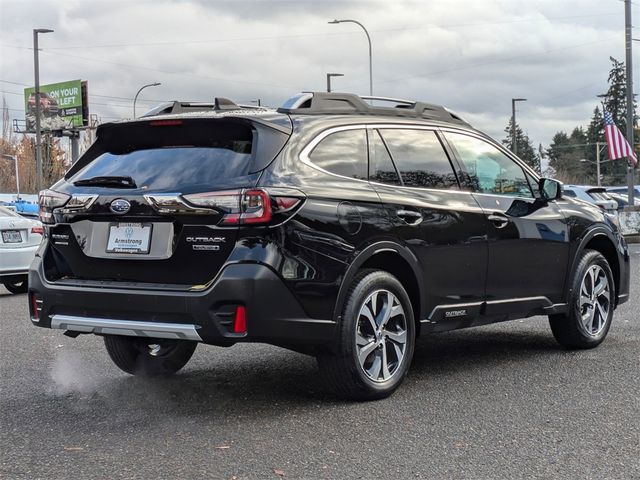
(343,153)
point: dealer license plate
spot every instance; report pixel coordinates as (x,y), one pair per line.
(129,238)
(11,236)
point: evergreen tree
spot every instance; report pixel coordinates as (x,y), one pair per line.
(615,102)
(566,154)
(615,98)
(526,151)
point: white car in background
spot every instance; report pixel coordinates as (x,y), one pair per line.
(19,239)
(595,195)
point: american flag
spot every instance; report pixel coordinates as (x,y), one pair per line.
(616,143)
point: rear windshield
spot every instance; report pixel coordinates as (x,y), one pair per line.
(165,157)
(599,196)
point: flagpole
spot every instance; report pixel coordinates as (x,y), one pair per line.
(630,110)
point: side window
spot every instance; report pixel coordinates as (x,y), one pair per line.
(488,169)
(343,153)
(569,193)
(381,168)
(420,158)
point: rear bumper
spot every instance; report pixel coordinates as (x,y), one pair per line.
(16,261)
(273,314)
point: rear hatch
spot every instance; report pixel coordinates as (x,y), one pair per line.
(124,213)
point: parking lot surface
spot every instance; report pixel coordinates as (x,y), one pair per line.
(502,401)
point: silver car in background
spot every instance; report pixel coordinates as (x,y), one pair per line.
(595,195)
(19,239)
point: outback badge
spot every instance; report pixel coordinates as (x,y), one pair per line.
(120,206)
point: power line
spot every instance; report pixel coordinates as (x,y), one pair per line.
(288,87)
(92,94)
(277,37)
(182,74)
(493,62)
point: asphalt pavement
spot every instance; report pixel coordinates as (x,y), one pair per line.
(502,401)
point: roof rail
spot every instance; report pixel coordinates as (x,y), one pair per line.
(316,103)
(219,105)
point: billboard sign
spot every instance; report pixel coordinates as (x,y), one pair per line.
(62,106)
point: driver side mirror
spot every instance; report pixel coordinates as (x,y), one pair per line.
(550,189)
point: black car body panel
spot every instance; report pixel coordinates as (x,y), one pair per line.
(466,258)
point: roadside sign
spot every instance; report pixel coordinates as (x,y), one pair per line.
(62,106)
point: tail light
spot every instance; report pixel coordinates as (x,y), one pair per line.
(47,201)
(244,207)
(37,230)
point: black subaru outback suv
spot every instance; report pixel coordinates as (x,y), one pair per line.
(333,226)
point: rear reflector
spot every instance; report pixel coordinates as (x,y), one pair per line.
(35,305)
(240,320)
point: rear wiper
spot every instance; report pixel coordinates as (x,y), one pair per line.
(107,181)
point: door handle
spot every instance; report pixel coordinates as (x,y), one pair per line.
(410,216)
(499,220)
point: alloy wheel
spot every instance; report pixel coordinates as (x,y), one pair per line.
(595,300)
(381,336)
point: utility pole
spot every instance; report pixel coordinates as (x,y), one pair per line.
(14,159)
(598,163)
(74,138)
(514,143)
(628,27)
(36,73)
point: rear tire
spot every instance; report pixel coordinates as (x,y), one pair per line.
(17,287)
(376,339)
(591,305)
(149,357)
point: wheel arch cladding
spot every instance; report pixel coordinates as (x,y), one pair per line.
(392,261)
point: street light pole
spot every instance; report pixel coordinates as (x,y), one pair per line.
(333,22)
(135,99)
(514,143)
(36,73)
(15,161)
(630,110)
(329,75)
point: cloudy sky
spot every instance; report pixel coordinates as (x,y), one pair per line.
(470,55)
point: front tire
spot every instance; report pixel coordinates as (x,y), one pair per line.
(17,287)
(148,356)
(591,305)
(376,339)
